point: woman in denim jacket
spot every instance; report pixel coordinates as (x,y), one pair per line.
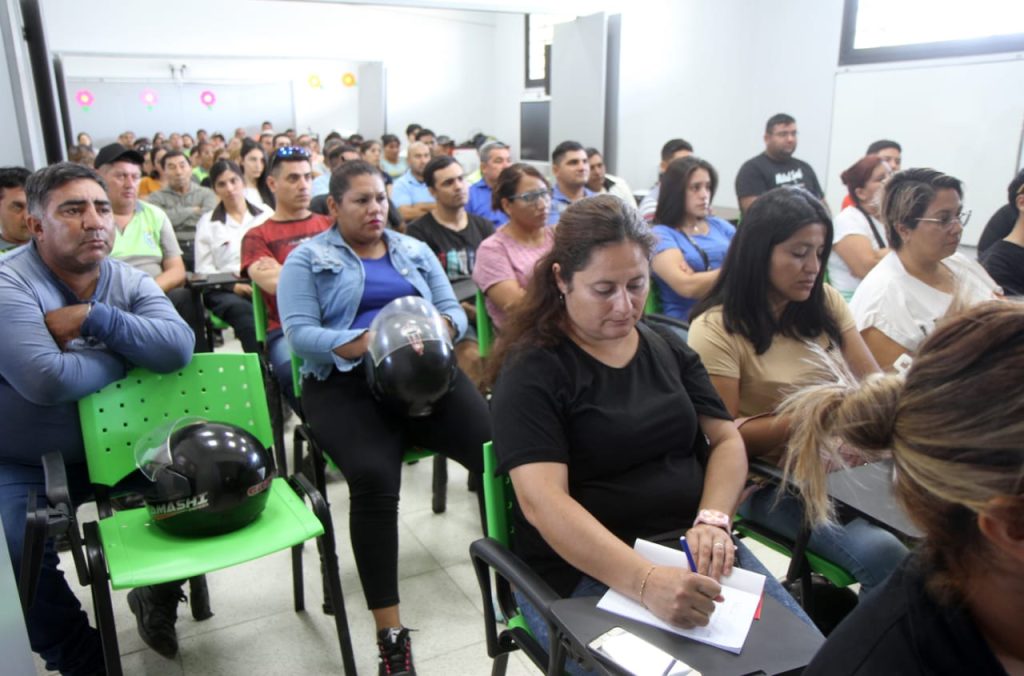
(331,287)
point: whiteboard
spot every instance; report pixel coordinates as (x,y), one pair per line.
(119,106)
(963,119)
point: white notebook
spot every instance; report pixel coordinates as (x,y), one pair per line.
(730,623)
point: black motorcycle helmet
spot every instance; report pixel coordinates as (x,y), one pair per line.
(208,478)
(410,363)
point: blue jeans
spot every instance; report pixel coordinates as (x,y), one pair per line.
(58,628)
(867,552)
(281,363)
(590,587)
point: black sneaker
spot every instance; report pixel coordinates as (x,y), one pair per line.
(395,652)
(156,610)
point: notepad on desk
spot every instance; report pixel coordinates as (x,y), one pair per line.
(730,623)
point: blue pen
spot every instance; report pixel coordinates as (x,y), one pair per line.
(689,554)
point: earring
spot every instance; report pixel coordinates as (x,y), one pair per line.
(561,298)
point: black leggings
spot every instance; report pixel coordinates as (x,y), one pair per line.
(366,440)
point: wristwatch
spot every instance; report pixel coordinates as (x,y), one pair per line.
(451,322)
(713,517)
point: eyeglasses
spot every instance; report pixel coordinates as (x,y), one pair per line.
(947,222)
(533,196)
(291,152)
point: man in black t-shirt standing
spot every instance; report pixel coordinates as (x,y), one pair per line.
(454,235)
(776,166)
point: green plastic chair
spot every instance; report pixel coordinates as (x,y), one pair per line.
(653,304)
(484,329)
(216,322)
(494,553)
(275,398)
(122,548)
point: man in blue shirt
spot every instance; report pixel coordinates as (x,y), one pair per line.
(571,169)
(494,157)
(75,320)
(410,194)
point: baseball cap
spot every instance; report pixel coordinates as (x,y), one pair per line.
(115,151)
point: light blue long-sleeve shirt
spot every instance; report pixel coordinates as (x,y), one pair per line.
(322,283)
(131,323)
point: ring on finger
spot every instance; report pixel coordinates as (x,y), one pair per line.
(719,544)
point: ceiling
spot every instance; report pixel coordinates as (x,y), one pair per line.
(578,7)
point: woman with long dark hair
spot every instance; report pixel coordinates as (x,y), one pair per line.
(760,331)
(691,242)
(219,248)
(254,170)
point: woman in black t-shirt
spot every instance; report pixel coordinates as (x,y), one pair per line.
(601,423)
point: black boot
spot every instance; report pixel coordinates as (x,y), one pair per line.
(156,610)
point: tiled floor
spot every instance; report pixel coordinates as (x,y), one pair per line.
(255,631)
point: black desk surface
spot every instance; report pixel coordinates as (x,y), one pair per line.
(777,643)
(868,489)
(464,289)
(17,656)
(218,279)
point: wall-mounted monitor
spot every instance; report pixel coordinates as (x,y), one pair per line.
(535,130)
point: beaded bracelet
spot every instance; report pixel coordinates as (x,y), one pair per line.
(643,585)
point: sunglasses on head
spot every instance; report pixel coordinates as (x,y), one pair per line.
(291,152)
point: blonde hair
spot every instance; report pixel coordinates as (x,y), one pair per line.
(954,426)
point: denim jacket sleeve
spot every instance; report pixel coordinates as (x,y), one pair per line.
(299,305)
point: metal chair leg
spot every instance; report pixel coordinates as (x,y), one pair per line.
(500,664)
(102,604)
(440,484)
(332,578)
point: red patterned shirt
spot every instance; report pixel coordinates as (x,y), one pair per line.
(277,239)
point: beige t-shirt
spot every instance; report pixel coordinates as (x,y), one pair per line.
(764,379)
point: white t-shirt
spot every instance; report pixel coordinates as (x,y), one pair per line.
(219,243)
(253,195)
(850,221)
(904,308)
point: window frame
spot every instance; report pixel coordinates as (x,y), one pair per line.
(850,56)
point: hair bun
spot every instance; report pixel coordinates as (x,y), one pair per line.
(866,418)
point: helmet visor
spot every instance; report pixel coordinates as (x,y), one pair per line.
(407,321)
(153,449)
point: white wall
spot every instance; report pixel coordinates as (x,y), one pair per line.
(509,59)
(713,71)
(440,64)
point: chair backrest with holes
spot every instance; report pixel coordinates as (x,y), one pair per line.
(220,387)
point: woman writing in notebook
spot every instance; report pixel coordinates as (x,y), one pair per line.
(601,423)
